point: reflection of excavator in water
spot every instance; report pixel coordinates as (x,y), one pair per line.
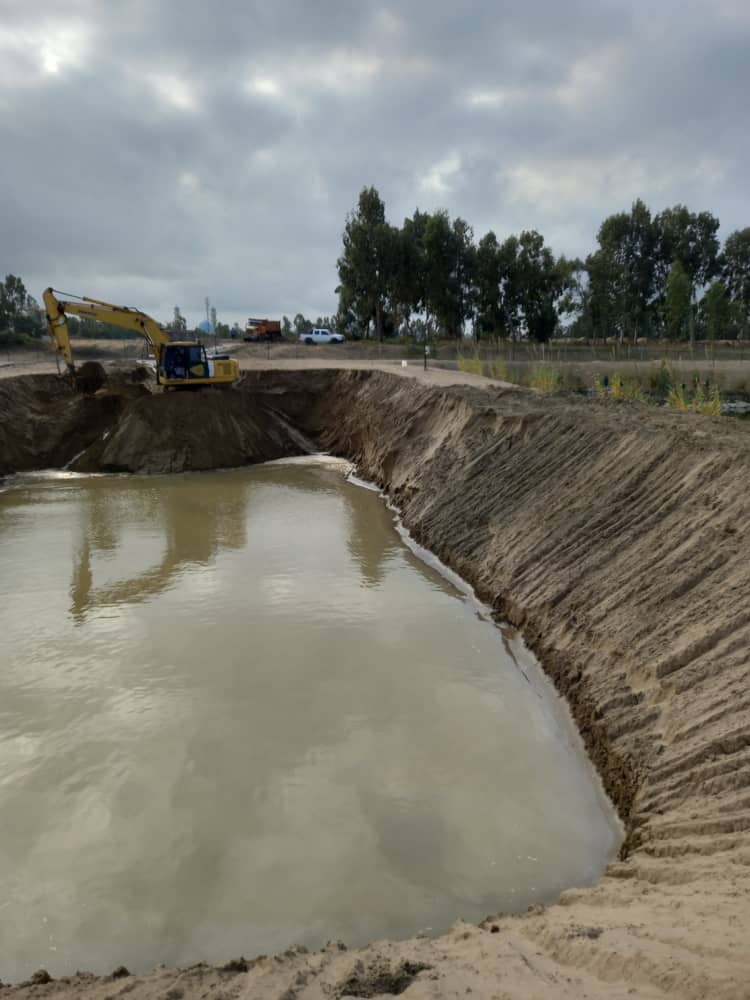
(179,363)
(198,521)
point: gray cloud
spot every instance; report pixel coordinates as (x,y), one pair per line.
(158,151)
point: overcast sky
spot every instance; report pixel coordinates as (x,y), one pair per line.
(155,152)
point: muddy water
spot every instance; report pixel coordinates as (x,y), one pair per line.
(237,712)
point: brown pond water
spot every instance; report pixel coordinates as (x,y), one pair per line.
(237,711)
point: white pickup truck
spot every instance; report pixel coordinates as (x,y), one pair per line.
(318,336)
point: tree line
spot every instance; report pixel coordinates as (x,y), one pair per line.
(663,275)
(20,315)
(22,318)
(301,324)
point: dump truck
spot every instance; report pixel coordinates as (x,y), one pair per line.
(262,331)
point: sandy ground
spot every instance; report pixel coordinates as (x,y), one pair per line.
(615,537)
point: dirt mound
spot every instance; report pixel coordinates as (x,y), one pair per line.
(126,427)
(179,431)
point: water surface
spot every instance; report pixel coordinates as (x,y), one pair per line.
(236,711)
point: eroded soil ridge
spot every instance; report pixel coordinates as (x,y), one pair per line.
(615,537)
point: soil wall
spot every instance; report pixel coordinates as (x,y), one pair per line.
(616,538)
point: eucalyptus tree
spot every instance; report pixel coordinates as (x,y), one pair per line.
(735,263)
(367,262)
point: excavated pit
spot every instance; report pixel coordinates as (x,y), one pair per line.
(615,538)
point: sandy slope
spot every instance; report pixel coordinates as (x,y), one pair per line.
(616,538)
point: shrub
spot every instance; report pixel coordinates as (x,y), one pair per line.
(546,379)
(473,365)
(499,370)
(677,398)
(662,381)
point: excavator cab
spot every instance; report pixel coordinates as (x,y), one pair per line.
(183,361)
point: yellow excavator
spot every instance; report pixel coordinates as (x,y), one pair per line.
(180,364)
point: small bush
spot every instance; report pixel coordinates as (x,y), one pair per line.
(662,381)
(677,398)
(545,379)
(499,370)
(706,400)
(470,363)
(625,388)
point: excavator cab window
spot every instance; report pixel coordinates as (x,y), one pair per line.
(186,362)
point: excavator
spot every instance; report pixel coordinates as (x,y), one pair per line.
(180,364)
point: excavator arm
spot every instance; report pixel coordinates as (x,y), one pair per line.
(58,311)
(177,363)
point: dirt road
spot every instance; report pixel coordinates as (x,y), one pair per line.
(20,364)
(615,537)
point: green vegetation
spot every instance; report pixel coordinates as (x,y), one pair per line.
(546,378)
(21,319)
(300,325)
(471,363)
(708,403)
(650,277)
(622,388)
(23,323)
(429,278)
(664,388)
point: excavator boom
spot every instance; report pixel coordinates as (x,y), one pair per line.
(179,364)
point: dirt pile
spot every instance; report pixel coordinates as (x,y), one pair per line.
(45,424)
(127,426)
(615,537)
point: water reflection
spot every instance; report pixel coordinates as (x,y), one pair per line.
(192,522)
(283,727)
(189,519)
(371,540)
(370,536)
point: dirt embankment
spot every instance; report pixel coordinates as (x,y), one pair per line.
(616,538)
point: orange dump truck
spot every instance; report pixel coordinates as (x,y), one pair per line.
(262,330)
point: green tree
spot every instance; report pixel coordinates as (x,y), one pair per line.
(691,239)
(286,326)
(466,268)
(406,292)
(449,271)
(606,285)
(511,291)
(622,272)
(677,297)
(301,324)
(541,281)
(736,274)
(17,307)
(716,310)
(366,265)
(489,276)
(575,300)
